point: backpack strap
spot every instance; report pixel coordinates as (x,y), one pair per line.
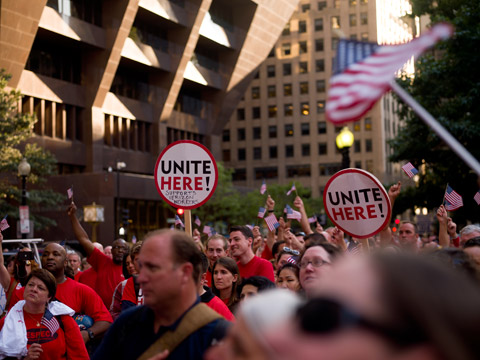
(196,318)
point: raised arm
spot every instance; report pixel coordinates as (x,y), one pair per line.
(298,203)
(4,275)
(79,231)
(270,206)
(386,234)
(443,237)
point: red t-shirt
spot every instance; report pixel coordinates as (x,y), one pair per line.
(209,278)
(80,298)
(220,307)
(129,293)
(257,267)
(66,344)
(109,275)
(88,277)
(77,275)
(267,253)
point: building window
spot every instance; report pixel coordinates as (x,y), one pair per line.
(257,132)
(356,126)
(257,153)
(368,124)
(303,67)
(271,71)
(272,111)
(241,154)
(286,49)
(226,155)
(239,175)
(288,130)
(336,4)
(353,37)
(305,149)
(256,112)
(255,92)
(266,173)
(334,43)
(319,65)
(305,128)
(286,29)
(226,135)
(358,164)
(272,152)
(289,151)
(272,91)
(353,19)
(322,148)
(304,87)
(329,169)
(357,146)
(322,127)
(288,110)
(302,47)
(335,20)
(320,106)
(272,131)
(240,134)
(320,86)
(368,145)
(321,5)
(318,23)
(364,36)
(302,26)
(305,108)
(319,45)
(305,8)
(353,2)
(363,2)
(287,69)
(363,19)
(369,166)
(298,170)
(287,89)
(240,114)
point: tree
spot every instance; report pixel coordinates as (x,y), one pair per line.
(15,129)
(447,84)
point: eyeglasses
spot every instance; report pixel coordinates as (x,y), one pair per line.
(315,263)
(325,316)
(291,251)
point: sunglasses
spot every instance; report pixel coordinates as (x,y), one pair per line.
(291,251)
(323,316)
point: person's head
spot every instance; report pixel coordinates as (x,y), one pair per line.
(217,247)
(472,249)
(24,264)
(469,232)
(241,238)
(108,251)
(10,264)
(54,259)
(277,247)
(98,246)
(75,260)
(314,238)
(119,249)
(85,264)
(40,287)
(288,277)
(128,267)
(456,259)
(253,285)
(284,255)
(314,263)
(225,278)
(386,306)
(407,235)
(134,253)
(170,266)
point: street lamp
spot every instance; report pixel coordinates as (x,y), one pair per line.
(344,142)
(94,214)
(24,170)
(120,165)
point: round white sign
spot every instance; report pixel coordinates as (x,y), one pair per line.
(357,203)
(186,174)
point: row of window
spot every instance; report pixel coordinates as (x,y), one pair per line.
(287,110)
(336,4)
(179,134)
(334,21)
(290,151)
(286,48)
(303,89)
(128,134)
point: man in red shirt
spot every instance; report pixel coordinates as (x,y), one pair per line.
(241,239)
(217,247)
(109,270)
(75,262)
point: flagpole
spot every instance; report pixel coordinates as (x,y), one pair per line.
(453,143)
(445,194)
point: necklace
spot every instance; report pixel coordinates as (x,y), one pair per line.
(31,317)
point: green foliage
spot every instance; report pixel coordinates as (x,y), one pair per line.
(15,129)
(447,84)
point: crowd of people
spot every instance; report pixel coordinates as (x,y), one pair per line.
(297,292)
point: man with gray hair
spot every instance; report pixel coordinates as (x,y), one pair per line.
(468,232)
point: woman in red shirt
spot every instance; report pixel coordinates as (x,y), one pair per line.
(225,278)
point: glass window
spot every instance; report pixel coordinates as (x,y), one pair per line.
(288,130)
(272,152)
(226,135)
(288,110)
(272,91)
(241,154)
(271,71)
(289,151)
(353,19)
(357,146)
(363,2)
(257,132)
(356,126)
(266,173)
(319,65)
(256,112)
(272,131)
(353,2)
(305,7)
(239,175)
(353,37)
(302,26)
(305,108)
(272,111)
(322,127)
(255,92)
(320,106)
(304,87)
(319,45)
(287,89)
(363,18)
(335,20)
(334,43)
(303,67)
(302,47)
(358,164)
(322,148)
(286,49)
(336,4)
(240,114)
(305,149)
(298,170)
(240,134)
(321,5)
(318,23)
(305,128)
(368,145)
(368,124)
(286,29)
(257,153)
(287,69)
(364,36)
(320,86)
(226,155)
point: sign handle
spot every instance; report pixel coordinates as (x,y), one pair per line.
(365,245)
(188,221)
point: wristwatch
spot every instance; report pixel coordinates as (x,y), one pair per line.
(91,335)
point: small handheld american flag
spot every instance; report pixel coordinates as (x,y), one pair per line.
(409,170)
(453,200)
(50,322)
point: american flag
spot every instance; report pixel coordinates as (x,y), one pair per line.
(312,219)
(272,222)
(293,214)
(292,189)
(70,192)
(50,322)
(207,230)
(4,224)
(261,212)
(477,197)
(292,260)
(409,170)
(263,188)
(363,72)
(178,221)
(197,221)
(453,200)
(249,226)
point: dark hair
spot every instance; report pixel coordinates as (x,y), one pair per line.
(232,267)
(125,272)
(456,259)
(331,249)
(135,250)
(415,228)
(472,242)
(47,278)
(315,238)
(295,269)
(260,282)
(275,247)
(245,230)
(204,263)
(438,305)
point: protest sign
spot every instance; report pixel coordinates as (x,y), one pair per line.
(357,203)
(186,174)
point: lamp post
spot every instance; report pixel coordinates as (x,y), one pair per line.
(24,170)
(120,165)
(93,214)
(344,142)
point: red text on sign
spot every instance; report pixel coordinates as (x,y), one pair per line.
(181,183)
